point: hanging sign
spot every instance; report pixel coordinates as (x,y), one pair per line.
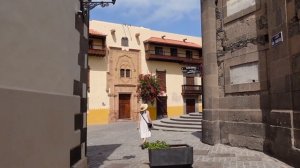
(190,70)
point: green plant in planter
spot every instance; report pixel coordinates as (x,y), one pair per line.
(156,145)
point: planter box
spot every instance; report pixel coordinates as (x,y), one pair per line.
(179,155)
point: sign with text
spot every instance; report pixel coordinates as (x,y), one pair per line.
(190,69)
(235,6)
(277,38)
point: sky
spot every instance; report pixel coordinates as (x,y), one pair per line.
(175,16)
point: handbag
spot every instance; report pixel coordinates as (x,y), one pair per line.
(148,124)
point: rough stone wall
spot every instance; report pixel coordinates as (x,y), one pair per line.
(241,40)
(257,109)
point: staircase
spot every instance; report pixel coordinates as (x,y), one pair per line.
(187,123)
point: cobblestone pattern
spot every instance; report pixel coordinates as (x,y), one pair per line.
(117,146)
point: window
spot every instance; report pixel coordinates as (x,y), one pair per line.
(173,51)
(124,41)
(189,54)
(90,44)
(122,73)
(125,73)
(158,51)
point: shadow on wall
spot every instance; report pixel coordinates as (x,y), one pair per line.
(98,154)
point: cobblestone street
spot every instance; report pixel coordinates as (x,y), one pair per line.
(117,145)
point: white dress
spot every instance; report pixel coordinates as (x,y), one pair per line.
(144,130)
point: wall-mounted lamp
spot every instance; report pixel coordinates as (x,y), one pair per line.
(86,5)
(184,40)
(163,37)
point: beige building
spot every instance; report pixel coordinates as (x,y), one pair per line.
(119,53)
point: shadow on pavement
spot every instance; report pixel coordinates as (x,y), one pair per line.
(197,134)
(98,154)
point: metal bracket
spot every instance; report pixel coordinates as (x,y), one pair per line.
(87,6)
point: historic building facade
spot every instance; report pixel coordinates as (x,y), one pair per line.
(120,53)
(251,75)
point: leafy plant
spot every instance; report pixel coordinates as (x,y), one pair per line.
(156,145)
(148,88)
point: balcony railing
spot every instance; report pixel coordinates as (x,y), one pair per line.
(172,57)
(97,50)
(191,89)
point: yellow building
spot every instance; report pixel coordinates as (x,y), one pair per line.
(119,53)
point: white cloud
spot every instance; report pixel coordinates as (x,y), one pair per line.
(152,11)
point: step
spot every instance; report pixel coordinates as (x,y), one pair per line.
(168,121)
(190,116)
(176,129)
(186,119)
(160,124)
(196,114)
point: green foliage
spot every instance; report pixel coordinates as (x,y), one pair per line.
(148,88)
(156,145)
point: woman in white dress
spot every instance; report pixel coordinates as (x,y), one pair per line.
(144,118)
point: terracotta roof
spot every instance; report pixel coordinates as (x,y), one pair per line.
(96,33)
(172,42)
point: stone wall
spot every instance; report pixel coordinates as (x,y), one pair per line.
(256,102)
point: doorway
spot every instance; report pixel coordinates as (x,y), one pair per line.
(190,106)
(124,106)
(161,106)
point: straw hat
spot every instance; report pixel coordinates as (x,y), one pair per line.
(144,107)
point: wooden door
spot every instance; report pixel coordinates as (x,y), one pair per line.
(124,106)
(190,105)
(161,77)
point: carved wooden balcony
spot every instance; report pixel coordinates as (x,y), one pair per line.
(167,57)
(191,90)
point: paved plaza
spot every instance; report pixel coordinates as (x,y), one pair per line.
(117,146)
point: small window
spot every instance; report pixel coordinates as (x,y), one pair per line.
(127,73)
(124,41)
(90,44)
(158,51)
(173,51)
(189,54)
(122,73)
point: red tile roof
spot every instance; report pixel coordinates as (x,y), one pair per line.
(96,33)
(172,42)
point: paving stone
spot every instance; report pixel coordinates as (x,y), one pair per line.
(117,146)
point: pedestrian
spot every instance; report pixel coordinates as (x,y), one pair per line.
(144,119)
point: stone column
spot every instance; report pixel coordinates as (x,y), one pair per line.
(210,123)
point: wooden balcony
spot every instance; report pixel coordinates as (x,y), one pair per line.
(97,52)
(191,90)
(167,57)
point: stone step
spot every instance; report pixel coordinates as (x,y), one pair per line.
(175,129)
(190,116)
(169,121)
(196,114)
(186,119)
(160,124)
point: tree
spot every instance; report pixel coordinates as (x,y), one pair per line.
(148,88)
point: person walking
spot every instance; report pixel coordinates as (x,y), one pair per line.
(144,119)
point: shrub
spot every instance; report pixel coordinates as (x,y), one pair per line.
(156,145)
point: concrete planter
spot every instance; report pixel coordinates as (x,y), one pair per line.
(179,155)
